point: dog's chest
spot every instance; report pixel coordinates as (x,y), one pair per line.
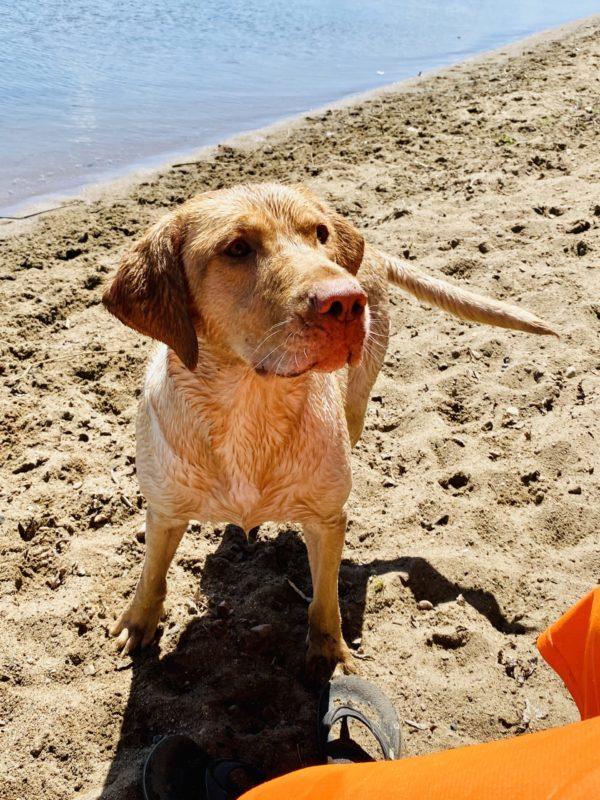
(237,499)
(258,476)
(259,458)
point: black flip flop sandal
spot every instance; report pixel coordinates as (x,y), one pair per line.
(179,769)
(347,698)
(227,779)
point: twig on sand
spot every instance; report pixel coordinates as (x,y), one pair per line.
(362,656)
(299,592)
(126,501)
(43,211)
(24,374)
(416,725)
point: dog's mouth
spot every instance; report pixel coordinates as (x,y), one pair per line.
(292,373)
(307,347)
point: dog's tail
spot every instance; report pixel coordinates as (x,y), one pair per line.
(461,302)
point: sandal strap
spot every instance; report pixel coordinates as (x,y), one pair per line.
(345,712)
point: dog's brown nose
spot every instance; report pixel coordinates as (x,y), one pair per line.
(344,302)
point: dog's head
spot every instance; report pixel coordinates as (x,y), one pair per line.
(264,273)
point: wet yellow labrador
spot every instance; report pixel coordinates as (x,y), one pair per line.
(273,314)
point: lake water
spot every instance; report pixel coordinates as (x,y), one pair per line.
(88,89)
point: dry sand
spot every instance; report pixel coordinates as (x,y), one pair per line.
(476,481)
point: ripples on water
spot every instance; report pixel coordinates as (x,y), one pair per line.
(89,88)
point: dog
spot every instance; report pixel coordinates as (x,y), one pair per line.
(273,319)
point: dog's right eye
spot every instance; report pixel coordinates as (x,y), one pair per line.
(238,248)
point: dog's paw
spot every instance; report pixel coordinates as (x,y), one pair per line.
(136,627)
(327,657)
(348,665)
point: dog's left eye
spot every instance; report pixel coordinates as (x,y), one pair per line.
(238,248)
(322,233)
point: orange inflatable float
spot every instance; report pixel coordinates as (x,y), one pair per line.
(558,764)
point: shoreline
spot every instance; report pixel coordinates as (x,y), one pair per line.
(124,179)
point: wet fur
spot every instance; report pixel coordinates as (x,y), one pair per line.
(229,432)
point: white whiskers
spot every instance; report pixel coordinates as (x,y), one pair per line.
(271,332)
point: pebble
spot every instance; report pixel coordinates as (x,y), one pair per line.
(424,605)
(574,490)
(571,372)
(264,631)
(89,669)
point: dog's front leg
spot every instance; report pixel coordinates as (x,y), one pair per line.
(326,646)
(137,624)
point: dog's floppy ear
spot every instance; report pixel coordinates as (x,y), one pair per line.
(349,243)
(149,292)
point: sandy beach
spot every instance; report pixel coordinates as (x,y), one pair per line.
(476,480)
